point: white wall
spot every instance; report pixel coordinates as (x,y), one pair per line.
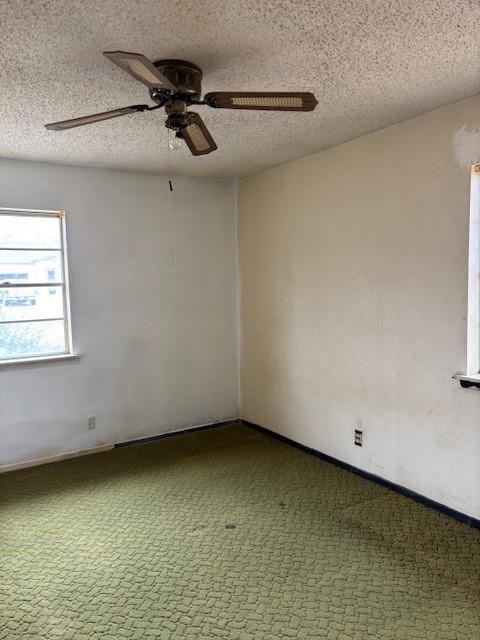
(354,300)
(158,347)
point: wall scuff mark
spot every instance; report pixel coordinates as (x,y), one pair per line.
(466,144)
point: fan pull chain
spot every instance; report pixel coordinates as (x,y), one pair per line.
(170,209)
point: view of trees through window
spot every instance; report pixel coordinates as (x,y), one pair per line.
(32,286)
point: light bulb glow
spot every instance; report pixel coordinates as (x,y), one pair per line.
(174,143)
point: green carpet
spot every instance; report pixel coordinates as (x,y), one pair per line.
(227,533)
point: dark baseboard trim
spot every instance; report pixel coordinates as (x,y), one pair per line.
(171,434)
(427,502)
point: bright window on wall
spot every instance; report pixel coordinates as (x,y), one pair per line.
(473,329)
(34,296)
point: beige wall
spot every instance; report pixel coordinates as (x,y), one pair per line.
(158,345)
(354,300)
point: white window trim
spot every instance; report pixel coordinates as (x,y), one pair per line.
(472,372)
(473,315)
(69,354)
(17,362)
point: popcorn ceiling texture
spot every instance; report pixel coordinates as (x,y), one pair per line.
(370,63)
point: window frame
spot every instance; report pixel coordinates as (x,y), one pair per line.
(471,376)
(65,286)
(473,313)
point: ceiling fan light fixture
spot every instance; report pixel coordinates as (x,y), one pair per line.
(174,141)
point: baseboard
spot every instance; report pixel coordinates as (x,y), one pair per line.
(106,447)
(417,497)
(177,432)
(4,468)
(427,502)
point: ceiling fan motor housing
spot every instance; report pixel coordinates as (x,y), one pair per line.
(186,77)
(177,116)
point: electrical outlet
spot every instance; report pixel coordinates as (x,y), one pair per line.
(358,437)
(92,422)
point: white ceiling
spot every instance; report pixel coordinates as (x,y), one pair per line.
(369,62)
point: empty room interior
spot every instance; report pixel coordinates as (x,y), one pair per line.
(240,336)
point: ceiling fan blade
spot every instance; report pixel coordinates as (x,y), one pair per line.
(261,100)
(97,117)
(141,69)
(197,136)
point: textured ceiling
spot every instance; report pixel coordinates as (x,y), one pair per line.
(369,62)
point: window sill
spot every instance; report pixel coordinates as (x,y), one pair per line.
(39,360)
(467,381)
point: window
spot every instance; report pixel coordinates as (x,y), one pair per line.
(34,297)
(472,375)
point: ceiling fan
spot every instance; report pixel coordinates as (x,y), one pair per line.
(177,84)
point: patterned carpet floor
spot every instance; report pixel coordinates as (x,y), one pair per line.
(227,533)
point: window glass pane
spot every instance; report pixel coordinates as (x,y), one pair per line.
(30,232)
(20,267)
(32,339)
(30,303)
